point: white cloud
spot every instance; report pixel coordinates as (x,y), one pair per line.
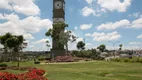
(27,7)
(136,15)
(85,26)
(112,5)
(139,37)
(88,35)
(39,45)
(28,36)
(137,23)
(105,36)
(110,25)
(42,41)
(72,45)
(102,6)
(89,1)
(135,43)
(4,4)
(30,24)
(86,11)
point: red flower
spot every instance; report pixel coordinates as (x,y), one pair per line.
(32,74)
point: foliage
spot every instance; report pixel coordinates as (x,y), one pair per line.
(3,65)
(13,43)
(54,33)
(93,54)
(120,47)
(116,59)
(140,60)
(80,45)
(65,37)
(133,60)
(36,62)
(47,43)
(101,48)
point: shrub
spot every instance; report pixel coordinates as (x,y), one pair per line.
(87,54)
(131,60)
(36,62)
(117,59)
(126,60)
(135,59)
(41,58)
(140,60)
(3,65)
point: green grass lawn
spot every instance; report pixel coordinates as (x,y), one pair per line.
(96,70)
(14,71)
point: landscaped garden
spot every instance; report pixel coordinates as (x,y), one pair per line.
(92,70)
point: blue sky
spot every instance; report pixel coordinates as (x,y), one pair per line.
(96,21)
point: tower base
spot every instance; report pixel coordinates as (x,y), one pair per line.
(55,53)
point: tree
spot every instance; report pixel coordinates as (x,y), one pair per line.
(54,33)
(3,41)
(13,43)
(47,43)
(80,45)
(120,47)
(102,48)
(65,37)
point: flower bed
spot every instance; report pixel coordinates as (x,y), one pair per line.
(32,74)
(64,59)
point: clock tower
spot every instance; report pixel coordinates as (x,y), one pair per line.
(58,11)
(58,18)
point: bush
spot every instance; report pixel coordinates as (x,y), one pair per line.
(36,62)
(87,54)
(116,59)
(3,65)
(132,60)
(140,60)
(126,60)
(135,59)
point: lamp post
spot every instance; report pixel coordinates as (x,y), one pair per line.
(114,43)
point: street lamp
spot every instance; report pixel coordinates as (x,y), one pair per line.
(114,43)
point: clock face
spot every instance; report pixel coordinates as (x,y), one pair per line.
(58,5)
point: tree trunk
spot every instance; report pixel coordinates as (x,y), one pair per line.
(18,63)
(67,49)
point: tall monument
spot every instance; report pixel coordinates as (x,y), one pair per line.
(58,18)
